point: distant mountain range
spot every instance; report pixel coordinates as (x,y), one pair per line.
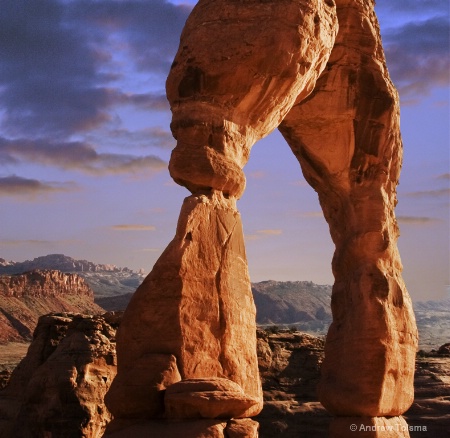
(301,304)
(105,280)
(59,262)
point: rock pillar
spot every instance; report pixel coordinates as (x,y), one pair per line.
(346,136)
(190,327)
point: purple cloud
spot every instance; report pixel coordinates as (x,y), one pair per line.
(14,185)
(76,156)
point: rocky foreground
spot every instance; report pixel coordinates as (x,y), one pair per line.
(59,387)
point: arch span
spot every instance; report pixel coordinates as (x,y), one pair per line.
(244,68)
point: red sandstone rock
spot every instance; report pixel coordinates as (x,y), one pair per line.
(139,393)
(242,428)
(197,305)
(184,429)
(207,398)
(26,297)
(58,388)
(346,136)
(239,68)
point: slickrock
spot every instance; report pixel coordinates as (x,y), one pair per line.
(25,297)
(59,387)
(346,137)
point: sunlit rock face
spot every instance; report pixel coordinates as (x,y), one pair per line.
(240,69)
(346,137)
(196,305)
(58,389)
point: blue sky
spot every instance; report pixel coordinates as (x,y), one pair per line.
(85,142)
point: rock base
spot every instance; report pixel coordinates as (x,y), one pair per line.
(236,428)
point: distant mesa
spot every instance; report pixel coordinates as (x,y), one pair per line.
(26,297)
(104,279)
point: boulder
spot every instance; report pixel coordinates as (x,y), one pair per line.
(58,389)
(207,398)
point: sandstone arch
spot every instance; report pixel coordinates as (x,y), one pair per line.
(244,67)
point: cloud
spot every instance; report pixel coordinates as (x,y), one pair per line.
(14,186)
(417,55)
(149,101)
(76,156)
(27,242)
(49,72)
(148,30)
(263,233)
(444,176)
(121,138)
(61,62)
(133,227)
(429,193)
(413,7)
(416,220)
(312,214)
(257,174)
(270,232)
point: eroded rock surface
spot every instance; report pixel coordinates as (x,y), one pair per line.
(58,389)
(240,68)
(197,306)
(289,365)
(207,398)
(346,136)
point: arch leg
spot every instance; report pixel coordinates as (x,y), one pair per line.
(346,137)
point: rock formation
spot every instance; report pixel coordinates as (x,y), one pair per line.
(346,137)
(289,364)
(58,389)
(242,68)
(25,297)
(194,314)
